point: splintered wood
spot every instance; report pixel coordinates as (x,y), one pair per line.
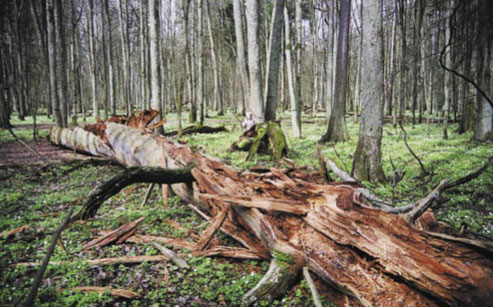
(299,220)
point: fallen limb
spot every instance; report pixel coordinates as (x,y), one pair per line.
(211,229)
(470,176)
(230,252)
(118,235)
(112,291)
(171,255)
(148,194)
(127,177)
(196,129)
(104,261)
(46,260)
(8,233)
(420,207)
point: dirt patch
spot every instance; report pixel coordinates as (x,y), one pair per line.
(11,152)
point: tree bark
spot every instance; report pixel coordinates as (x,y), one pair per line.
(154,34)
(273,61)
(256,103)
(367,164)
(293,97)
(374,256)
(240,56)
(337,130)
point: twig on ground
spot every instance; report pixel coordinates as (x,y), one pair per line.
(39,275)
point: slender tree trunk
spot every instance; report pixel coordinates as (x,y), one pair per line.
(201,101)
(153,23)
(337,130)
(240,54)
(50,22)
(289,69)
(448,76)
(215,65)
(126,60)
(256,104)
(273,61)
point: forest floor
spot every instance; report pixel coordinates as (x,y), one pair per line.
(39,196)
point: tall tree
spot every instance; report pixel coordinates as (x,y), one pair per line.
(154,58)
(51,31)
(256,104)
(367,164)
(240,56)
(273,60)
(200,61)
(215,65)
(337,130)
(293,97)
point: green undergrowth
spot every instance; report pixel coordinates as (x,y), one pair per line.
(40,196)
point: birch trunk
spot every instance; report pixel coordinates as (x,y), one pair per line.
(256,104)
(240,56)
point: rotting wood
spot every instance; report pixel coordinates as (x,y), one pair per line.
(171,255)
(112,291)
(344,242)
(196,129)
(8,233)
(118,235)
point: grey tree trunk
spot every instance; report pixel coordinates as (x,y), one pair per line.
(367,164)
(50,22)
(256,104)
(126,60)
(447,82)
(61,60)
(200,61)
(240,54)
(215,66)
(484,118)
(143,97)
(273,61)
(297,70)
(92,61)
(337,130)
(154,58)
(293,98)
(111,78)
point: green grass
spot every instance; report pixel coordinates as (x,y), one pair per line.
(40,196)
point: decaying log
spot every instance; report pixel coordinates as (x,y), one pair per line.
(112,291)
(377,257)
(196,129)
(118,235)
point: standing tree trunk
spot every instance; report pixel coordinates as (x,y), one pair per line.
(240,57)
(200,62)
(367,164)
(111,77)
(256,104)
(126,60)
(50,22)
(61,60)
(92,60)
(295,122)
(152,13)
(273,61)
(448,75)
(337,130)
(215,66)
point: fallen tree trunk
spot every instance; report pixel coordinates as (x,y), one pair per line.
(196,129)
(377,257)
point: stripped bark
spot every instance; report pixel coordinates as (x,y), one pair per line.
(375,256)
